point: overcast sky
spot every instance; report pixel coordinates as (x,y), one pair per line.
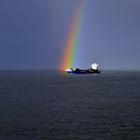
(33,33)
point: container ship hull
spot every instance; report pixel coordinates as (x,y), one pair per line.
(80,71)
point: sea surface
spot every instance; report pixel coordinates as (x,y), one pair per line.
(43,105)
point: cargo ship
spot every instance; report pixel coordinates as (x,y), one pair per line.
(93,70)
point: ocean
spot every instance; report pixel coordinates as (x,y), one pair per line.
(43,105)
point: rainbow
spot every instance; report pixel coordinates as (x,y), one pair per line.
(71,42)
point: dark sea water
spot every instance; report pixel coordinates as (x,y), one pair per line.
(39,105)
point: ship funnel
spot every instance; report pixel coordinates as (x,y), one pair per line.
(94,66)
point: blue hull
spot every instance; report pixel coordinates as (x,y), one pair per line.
(83,72)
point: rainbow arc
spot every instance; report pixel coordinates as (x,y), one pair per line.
(72,40)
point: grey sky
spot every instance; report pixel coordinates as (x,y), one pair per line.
(33,33)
